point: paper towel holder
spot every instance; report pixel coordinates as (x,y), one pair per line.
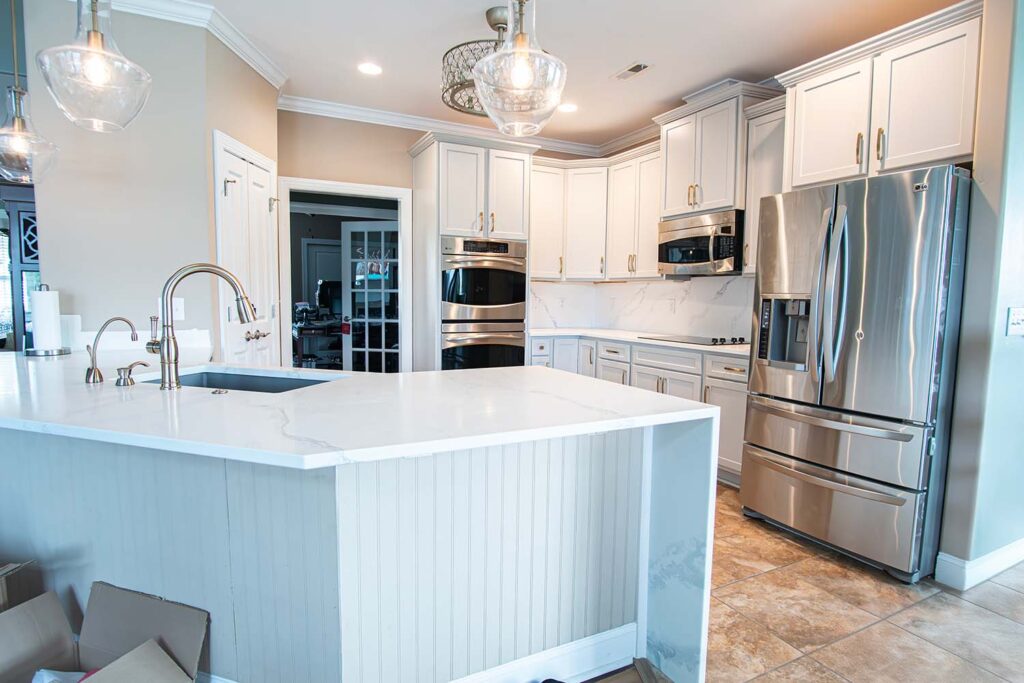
(46,353)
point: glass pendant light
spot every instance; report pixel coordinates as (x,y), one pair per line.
(24,155)
(520,85)
(95,85)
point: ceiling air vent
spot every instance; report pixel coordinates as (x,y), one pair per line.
(631,71)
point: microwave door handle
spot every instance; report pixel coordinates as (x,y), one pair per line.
(829,336)
(814,335)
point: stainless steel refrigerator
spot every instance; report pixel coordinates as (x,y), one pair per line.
(856,321)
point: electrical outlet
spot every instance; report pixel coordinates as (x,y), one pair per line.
(1015,322)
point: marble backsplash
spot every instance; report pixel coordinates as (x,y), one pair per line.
(706,306)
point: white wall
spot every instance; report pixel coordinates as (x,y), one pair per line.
(699,306)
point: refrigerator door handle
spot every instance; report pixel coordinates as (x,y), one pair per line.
(825,481)
(830,336)
(814,334)
(767,406)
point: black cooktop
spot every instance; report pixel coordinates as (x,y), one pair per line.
(703,341)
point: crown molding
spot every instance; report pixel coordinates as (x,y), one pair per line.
(209,18)
(944,18)
(714,94)
(652,147)
(503,143)
(648,132)
(307,105)
(765,107)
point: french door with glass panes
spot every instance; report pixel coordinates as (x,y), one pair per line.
(370,271)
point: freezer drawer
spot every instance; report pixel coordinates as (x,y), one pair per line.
(877,522)
(889,452)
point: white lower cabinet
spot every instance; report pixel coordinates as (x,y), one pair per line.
(566,356)
(587,362)
(731,397)
(541,360)
(612,371)
(678,384)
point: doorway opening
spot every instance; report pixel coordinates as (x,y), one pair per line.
(345,264)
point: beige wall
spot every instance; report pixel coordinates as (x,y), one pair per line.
(119,212)
(323,148)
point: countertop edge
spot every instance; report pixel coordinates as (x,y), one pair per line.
(633,337)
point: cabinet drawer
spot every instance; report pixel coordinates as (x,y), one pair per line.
(613,351)
(541,360)
(668,359)
(540,346)
(724,367)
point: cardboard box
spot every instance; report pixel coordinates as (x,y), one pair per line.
(15,584)
(118,622)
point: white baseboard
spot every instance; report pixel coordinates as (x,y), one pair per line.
(964,574)
(573,662)
(204,677)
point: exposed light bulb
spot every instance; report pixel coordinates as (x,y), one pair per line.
(522,72)
(18,144)
(96,69)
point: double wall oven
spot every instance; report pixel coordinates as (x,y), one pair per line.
(483,303)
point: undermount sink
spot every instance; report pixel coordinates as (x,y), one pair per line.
(232,381)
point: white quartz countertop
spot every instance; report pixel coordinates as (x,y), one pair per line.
(735,350)
(357,417)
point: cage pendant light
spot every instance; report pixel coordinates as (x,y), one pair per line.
(93,83)
(520,85)
(24,155)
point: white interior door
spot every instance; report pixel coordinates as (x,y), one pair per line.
(621,220)
(648,169)
(262,285)
(547,222)
(371,295)
(508,194)
(321,260)
(830,125)
(232,251)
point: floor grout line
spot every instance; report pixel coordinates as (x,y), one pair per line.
(944,649)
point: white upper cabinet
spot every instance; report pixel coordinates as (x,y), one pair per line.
(714,180)
(483,192)
(830,125)
(622,208)
(508,194)
(585,223)
(703,147)
(766,135)
(547,223)
(923,105)
(648,174)
(679,151)
(906,98)
(462,188)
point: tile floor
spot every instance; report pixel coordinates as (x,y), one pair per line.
(786,610)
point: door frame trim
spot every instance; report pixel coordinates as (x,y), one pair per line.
(403,195)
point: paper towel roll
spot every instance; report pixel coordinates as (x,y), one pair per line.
(45,319)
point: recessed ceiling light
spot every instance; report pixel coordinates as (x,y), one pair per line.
(567,107)
(370,69)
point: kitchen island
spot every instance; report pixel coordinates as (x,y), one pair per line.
(502,524)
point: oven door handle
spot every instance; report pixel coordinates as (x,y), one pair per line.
(496,262)
(483,339)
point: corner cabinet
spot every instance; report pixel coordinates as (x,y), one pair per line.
(632,242)
(585,222)
(703,149)
(483,192)
(547,223)
(904,99)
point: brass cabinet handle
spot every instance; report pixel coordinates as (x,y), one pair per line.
(741,371)
(561,265)
(481,221)
(591,355)
(860,148)
(602,265)
(878,143)
(706,389)
(746,254)
(696,189)
(632,263)
(492,220)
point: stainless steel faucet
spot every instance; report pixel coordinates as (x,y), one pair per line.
(167,345)
(93,374)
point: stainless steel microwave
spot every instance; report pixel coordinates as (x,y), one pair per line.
(710,244)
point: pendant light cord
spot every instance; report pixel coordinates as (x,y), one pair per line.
(14,45)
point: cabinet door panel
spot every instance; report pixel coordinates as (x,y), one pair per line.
(566,355)
(765,144)
(923,99)
(233,252)
(645,264)
(679,152)
(831,124)
(462,190)
(547,223)
(508,194)
(715,183)
(644,378)
(588,357)
(682,386)
(731,397)
(621,220)
(613,371)
(586,218)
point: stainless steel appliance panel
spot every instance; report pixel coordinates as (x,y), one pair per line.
(482,345)
(885,294)
(791,266)
(877,522)
(709,244)
(483,287)
(889,452)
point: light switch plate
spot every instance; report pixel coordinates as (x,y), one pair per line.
(1015,322)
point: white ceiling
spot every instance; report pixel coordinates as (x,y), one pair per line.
(689,43)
